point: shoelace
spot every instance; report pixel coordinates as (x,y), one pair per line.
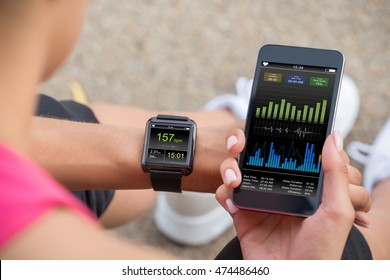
(359,151)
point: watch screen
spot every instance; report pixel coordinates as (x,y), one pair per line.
(288,125)
(168,144)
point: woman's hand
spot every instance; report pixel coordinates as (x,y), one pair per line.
(320,236)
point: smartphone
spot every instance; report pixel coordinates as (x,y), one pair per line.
(291,111)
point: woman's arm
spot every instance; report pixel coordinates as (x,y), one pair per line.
(67,235)
(99,156)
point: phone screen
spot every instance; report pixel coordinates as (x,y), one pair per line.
(289,117)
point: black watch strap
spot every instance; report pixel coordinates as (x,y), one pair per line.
(166,181)
(172,118)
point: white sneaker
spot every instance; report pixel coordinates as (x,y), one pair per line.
(237,103)
(347,107)
(191,218)
(375,157)
(347,112)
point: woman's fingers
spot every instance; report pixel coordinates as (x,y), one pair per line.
(354,175)
(224,197)
(360,198)
(230,173)
(236,141)
(362,219)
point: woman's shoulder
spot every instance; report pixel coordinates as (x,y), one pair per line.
(27,192)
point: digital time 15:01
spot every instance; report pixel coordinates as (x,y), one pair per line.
(177,155)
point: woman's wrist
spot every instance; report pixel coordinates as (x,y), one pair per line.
(209,153)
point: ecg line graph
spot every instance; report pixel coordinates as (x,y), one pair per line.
(299,131)
(288,130)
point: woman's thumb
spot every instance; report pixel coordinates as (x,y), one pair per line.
(336,183)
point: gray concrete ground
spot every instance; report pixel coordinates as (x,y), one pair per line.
(179,54)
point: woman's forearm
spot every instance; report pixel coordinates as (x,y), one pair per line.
(98,156)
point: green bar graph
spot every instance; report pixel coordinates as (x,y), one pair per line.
(317,113)
(263,111)
(323,112)
(281,109)
(258,112)
(298,115)
(269,113)
(287,111)
(292,117)
(304,113)
(276,109)
(310,119)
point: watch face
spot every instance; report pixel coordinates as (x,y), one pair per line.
(168,146)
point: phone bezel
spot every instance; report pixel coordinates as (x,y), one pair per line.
(279,203)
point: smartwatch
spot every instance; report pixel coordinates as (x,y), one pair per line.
(169,150)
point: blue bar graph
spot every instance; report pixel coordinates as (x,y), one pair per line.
(279,161)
